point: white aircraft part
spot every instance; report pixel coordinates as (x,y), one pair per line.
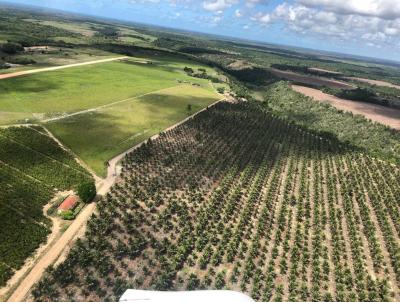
(132,295)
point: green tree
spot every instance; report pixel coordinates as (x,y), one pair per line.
(87,191)
(11,48)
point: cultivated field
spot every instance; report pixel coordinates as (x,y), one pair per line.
(99,135)
(376,113)
(237,198)
(32,168)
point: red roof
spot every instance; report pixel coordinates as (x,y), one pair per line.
(69,203)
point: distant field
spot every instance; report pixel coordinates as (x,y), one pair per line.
(98,136)
(79,88)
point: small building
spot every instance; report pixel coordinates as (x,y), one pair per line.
(68,204)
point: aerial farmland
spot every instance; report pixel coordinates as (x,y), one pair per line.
(138,157)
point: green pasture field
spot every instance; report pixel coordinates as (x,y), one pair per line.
(74,89)
(98,136)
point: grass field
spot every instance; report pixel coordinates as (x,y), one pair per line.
(98,136)
(80,88)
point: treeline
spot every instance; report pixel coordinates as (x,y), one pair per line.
(369,95)
(355,130)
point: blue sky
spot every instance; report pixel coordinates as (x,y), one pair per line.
(362,27)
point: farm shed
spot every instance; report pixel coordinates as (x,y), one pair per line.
(69,203)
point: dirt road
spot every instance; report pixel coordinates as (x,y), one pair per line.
(376,113)
(60,245)
(26,72)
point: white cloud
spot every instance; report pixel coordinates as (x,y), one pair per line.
(218,5)
(317,21)
(386,9)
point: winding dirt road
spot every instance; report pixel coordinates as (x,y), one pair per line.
(61,245)
(31,71)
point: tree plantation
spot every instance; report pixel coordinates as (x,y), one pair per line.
(33,167)
(238,198)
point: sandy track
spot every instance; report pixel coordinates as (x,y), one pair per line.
(321,70)
(376,113)
(27,72)
(310,80)
(51,256)
(373,82)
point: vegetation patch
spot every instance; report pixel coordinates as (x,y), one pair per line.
(356,130)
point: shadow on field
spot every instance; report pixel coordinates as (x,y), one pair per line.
(27,84)
(98,136)
(232,135)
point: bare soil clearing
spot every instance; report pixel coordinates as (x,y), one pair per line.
(376,113)
(323,70)
(373,82)
(31,71)
(309,80)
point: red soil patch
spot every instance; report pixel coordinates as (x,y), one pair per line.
(376,113)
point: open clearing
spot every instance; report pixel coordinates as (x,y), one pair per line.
(309,80)
(373,82)
(377,113)
(99,135)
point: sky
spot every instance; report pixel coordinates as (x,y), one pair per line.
(362,27)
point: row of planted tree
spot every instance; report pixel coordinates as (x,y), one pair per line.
(237,198)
